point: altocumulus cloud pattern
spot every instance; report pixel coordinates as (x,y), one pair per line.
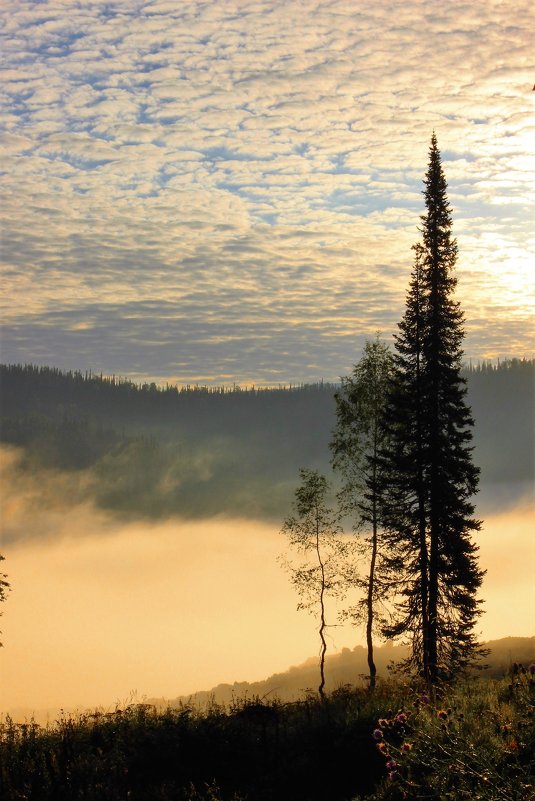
(229,191)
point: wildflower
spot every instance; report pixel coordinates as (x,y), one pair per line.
(381,747)
(424,699)
(401,718)
(531,669)
(391,764)
(442,714)
(383,723)
(406,747)
(506,728)
(377,734)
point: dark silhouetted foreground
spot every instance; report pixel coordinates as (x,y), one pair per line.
(475,739)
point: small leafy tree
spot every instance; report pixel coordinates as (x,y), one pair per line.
(357,439)
(314,532)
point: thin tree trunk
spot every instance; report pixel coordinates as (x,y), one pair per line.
(371,579)
(369,622)
(433,567)
(422,520)
(424,587)
(323,624)
(433,605)
(434,495)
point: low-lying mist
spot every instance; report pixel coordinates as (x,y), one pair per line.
(140,453)
(101,607)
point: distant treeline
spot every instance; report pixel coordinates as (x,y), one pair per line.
(120,403)
(199,451)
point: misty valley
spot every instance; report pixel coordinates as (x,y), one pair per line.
(142,526)
(140,451)
(267,401)
(140,529)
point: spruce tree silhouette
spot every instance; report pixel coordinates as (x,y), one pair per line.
(427,470)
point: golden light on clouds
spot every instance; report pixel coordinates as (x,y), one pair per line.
(188,206)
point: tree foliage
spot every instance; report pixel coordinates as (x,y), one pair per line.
(358,437)
(428,474)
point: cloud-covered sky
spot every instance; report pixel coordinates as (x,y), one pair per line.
(229,191)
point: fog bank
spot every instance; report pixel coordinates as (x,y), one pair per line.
(100,610)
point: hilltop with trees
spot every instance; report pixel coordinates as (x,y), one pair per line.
(196,452)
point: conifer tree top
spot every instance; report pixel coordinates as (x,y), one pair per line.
(439,248)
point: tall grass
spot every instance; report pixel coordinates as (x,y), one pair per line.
(473,740)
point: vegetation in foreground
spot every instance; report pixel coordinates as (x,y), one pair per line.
(474,739)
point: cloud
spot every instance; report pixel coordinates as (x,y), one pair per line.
(268,155)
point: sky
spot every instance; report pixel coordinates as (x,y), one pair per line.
(219,192)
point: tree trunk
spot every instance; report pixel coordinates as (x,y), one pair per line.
(369,622)
(323,625)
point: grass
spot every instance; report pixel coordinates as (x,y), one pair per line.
(472,740)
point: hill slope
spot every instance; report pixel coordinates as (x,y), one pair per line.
(347,667)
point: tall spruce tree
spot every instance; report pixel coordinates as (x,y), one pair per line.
(428,474)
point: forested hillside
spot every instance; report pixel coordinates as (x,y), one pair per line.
(197,451)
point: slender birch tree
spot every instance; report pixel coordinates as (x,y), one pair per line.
(358,437)
(314,533)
